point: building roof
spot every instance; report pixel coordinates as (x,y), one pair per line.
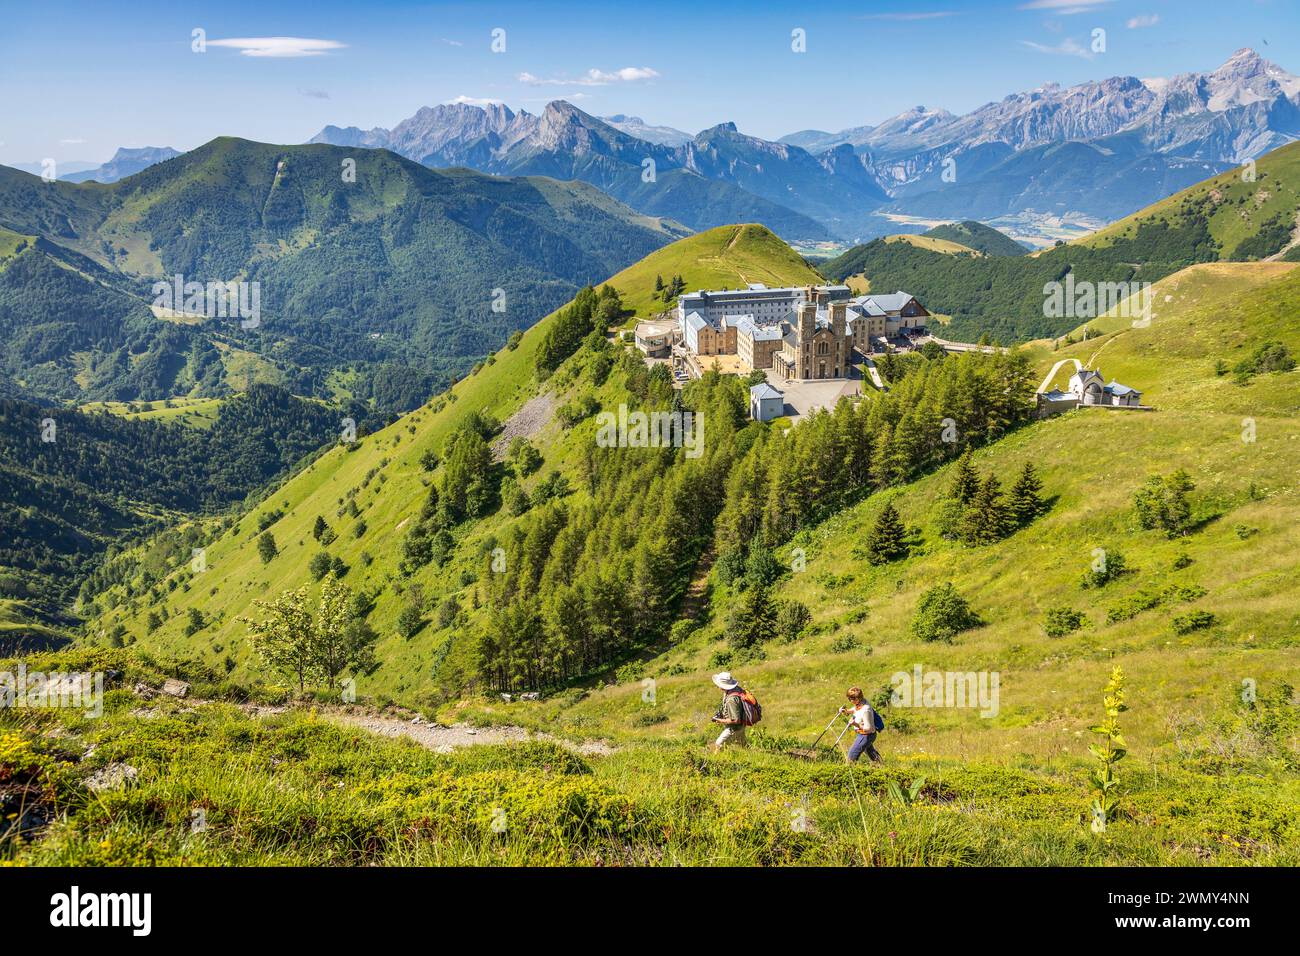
(1056,395)
(764,390)
(655,327)
(696,321)
(758,333)
(759,292)
(875,304)
(1115,388)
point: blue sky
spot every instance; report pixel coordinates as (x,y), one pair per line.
(82,78)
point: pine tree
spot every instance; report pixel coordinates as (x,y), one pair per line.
(986,519)
(752,620)
(888,538)
(1026,503)
(1177,516)
(965,479)
(1162,503)
(886,468)
(466,475)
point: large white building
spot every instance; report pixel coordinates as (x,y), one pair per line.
(804,332)
(765,306)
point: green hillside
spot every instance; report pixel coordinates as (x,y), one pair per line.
(1207,313)
(77,486)
(932,243)
(12,243)
(977,236)
(1003,297)
(395,275)
(727,257)
(1243,552)
(1208,779)
(658,559)
(383,475)
(1249,212)
(194,412)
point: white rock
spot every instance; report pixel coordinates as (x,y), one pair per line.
(114,776)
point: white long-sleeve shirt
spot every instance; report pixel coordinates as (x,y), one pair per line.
(863,718)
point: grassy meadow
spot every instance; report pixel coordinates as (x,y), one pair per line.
(1212,775)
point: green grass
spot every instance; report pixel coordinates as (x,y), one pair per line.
(1240,205)
(217,785)
(725,257)
(191,412)
(12,243)
(20,622)
(978,236)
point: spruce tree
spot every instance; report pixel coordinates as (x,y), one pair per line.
(888,538)
(965,479)
(986,519)
(752,620)
(1026,503)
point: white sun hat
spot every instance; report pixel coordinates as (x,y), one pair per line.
(726,681)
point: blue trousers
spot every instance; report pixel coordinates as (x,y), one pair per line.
(863,743)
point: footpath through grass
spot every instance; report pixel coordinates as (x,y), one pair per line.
(213,783)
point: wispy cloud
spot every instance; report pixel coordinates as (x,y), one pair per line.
(452,42)
(279,46)
(316,94)
(1065,7)
(71,142)
(473,101)
(1144,20)
(903,17)
(573,97)
(1066,47)
(628,74)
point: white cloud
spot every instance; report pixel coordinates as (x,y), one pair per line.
(1145,20)
(1065,7)
(71,142)
(279,46)
(628,74)
(1066,47)
(473,101)
(316,94)
(452,42)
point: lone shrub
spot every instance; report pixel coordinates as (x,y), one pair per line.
(1060,621)
(942,614)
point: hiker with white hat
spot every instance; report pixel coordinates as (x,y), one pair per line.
(739,710)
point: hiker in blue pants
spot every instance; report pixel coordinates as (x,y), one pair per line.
(863,718)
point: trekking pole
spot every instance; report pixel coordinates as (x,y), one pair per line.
(843,732)
(823,733)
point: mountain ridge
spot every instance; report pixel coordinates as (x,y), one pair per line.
(413,253)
